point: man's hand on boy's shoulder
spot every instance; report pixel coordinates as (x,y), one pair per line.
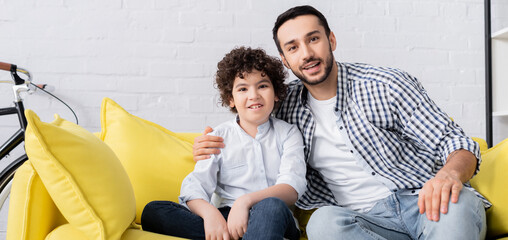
(206,145)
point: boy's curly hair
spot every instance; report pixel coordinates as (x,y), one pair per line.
(243,60)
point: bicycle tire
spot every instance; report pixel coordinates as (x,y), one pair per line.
(6,178)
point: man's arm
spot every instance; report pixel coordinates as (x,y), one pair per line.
(206,145)
(215,224)
(435,194)
(239,214)
(425,124)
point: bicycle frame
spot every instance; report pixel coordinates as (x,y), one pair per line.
(18,137)
(15,140)
(19,109)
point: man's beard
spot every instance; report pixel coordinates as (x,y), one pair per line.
(328,70)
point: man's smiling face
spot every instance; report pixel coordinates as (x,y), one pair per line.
(306,49)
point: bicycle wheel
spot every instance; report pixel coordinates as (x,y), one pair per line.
(6,180)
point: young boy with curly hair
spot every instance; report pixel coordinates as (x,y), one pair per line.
(259,173)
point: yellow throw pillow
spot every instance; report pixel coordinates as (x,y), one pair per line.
(156,159)
(490,182)
(82,175)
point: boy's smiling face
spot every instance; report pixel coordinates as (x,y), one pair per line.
(254,98)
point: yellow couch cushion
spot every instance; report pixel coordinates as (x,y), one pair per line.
(491,183)
(135,234)
(67,231)
(82,175)
(156,159)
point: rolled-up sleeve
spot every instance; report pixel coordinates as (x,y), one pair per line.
(425,124)
(200,183)
(292,166)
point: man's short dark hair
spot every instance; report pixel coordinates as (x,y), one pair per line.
(292,13)
(244,60)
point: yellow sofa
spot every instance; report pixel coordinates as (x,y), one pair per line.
(73,188)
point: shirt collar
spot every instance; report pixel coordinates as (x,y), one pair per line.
(262,129)
(342,89)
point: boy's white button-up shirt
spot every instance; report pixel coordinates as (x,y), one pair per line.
(246,164)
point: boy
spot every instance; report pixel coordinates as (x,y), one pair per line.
(259,173)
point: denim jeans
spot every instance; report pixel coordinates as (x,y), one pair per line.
(268,219)
(398,217)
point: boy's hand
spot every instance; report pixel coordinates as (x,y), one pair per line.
(238,218)
(216,227)
(206,145)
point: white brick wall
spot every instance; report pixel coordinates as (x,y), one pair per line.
(139,51)
(157,58)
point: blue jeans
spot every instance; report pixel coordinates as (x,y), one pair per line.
(398,217)
(268,219)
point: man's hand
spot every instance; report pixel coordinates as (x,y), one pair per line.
(206,145)
(238,218)
(435,194)
(216,227)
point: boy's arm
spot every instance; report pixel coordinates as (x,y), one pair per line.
(239,214)
(282,191)
(292,167)
(214,223)
(202,181)
(195,193)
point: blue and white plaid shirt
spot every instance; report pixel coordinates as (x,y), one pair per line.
(392,124)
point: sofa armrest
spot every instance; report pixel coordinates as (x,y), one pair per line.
(32,213)
(482,143)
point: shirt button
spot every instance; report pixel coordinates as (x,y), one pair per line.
(395,190)
(413,191)
(373,173)
(351,151)
(340,128)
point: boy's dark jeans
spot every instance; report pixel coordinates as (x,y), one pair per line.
(268,219)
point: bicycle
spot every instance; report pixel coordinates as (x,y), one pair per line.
(21,85)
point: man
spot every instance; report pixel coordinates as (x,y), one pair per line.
(384,162)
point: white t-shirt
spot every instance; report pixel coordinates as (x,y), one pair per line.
(331,155)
